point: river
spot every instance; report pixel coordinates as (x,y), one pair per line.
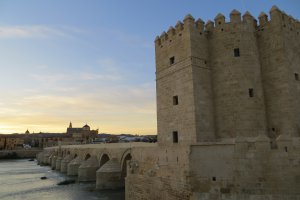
(21,179)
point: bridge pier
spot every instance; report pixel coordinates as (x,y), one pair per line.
(64,163)
(109,175)
(45,158)
(88,168)
(73,166)
(53,162)
(40,158)
(58,163)
(49,161)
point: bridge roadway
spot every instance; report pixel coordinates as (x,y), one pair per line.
(104,163)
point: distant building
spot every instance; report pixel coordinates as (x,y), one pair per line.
(11,141)
(82,135)
(40,140)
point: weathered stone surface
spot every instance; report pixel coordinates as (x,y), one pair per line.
(74,165)
(64,163)
(87,169)
(53,162)
(109,175)
(45,159)
(58,163)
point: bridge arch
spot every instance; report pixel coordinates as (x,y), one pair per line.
(126,157)
(104,158)
(87,156)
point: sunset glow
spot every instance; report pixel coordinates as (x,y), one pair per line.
(89,61)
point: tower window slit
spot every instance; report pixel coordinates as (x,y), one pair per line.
(175,137)
(251,93)
(296,77)
(236,52)
(175,100)
(172,60)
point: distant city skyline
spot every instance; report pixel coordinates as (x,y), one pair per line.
(91,61)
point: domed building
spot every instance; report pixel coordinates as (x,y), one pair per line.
(86,127)
(82,135)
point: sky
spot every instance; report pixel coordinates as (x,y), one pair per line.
(92,61)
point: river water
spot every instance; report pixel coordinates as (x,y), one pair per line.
(20,179)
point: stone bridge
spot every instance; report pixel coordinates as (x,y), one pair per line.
(104,163)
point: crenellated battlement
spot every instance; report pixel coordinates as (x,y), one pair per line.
(276,18)
(277,15)
(180,28)
(280,19)
(190,24)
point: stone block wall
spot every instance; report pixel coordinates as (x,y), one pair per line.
(141,187)
(279,48)
(246,169)
(158,173)
(231,79)
(236,73)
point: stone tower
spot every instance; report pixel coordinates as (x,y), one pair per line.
(223,80)
(236,76)
(184,92)
(279,48)
(228,108)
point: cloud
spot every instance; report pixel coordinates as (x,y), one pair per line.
(106,69)
(37,31)
(100,77)
(29,32)
(79,76)
(123,99)
(100,95)
(50,78)
(114,109)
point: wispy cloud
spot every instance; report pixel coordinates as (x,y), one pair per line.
(37,31)
(79,76)
(29,32)
(50,78)
(106,69)
(114,109)
(135,99)
(100,77)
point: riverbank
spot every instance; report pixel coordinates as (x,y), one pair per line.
(19,154)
